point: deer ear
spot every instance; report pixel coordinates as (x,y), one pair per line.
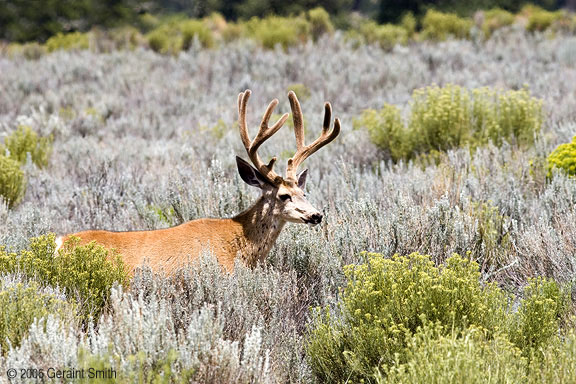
(249,174)
(302,179)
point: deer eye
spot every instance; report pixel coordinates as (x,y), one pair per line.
(285,197)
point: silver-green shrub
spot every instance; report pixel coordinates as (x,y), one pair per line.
(21,304)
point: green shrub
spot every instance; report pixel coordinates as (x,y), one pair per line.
(300,90)
(540,19)
(409,23)
(537,319)
(23,141)
(493,240)
(439,26)
(86,272)
(437,356)
(495,19)
(195,29)
(449,117)
(163,40)
(440,118)
(12,181)
(564,158)
(273,30)
(387,305)
(320,23)
(386,35)
(177,35)
(387,300)
(20,305)
(147,22)
(387,130)
(556,362)
(68,41)
(122,38)
(30,51)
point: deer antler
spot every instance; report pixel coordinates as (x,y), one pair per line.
(304,151)
(264,133)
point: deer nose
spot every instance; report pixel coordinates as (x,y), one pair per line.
(316,218)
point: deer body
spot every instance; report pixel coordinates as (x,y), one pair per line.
(248,236)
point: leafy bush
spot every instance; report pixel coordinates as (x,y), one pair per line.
(387,302)
(494,19)
(178,35)
(20,305)
(540,19)
(274,30)
(12,181)
(23,141)
(538,317)
(493,242)
(409,23)
(30,51)
(564,158)
(68,41)
(439,26)
(116,39)
(556,362)
(386,35)
(449,117)
(320,23)
(161,40)
(86,272)
(195,29)
(387,130)
(300,90)
(437,356)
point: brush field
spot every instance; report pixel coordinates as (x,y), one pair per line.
(147,141)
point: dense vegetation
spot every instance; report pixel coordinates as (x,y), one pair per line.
(455,141)
(176,33)
(22,21)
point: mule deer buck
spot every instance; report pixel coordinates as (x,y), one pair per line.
(251,234)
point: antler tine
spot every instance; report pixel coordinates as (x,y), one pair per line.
(264,133)
(298,120)
(302,151)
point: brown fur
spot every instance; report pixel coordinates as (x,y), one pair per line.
(250,236)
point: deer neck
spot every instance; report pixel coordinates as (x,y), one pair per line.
(261,226)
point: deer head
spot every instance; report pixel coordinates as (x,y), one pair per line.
(285,195)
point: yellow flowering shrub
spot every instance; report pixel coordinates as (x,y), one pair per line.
(68,41)
(175,36)
(540,19)
(495,19)
(320,23)
(385,35)
(12,181)
(439,26)
(437,356)
(539,315)
(447,117)
(25,141)
(85,272)
(20,305)
(388,302)
(564,158)
(274,30)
